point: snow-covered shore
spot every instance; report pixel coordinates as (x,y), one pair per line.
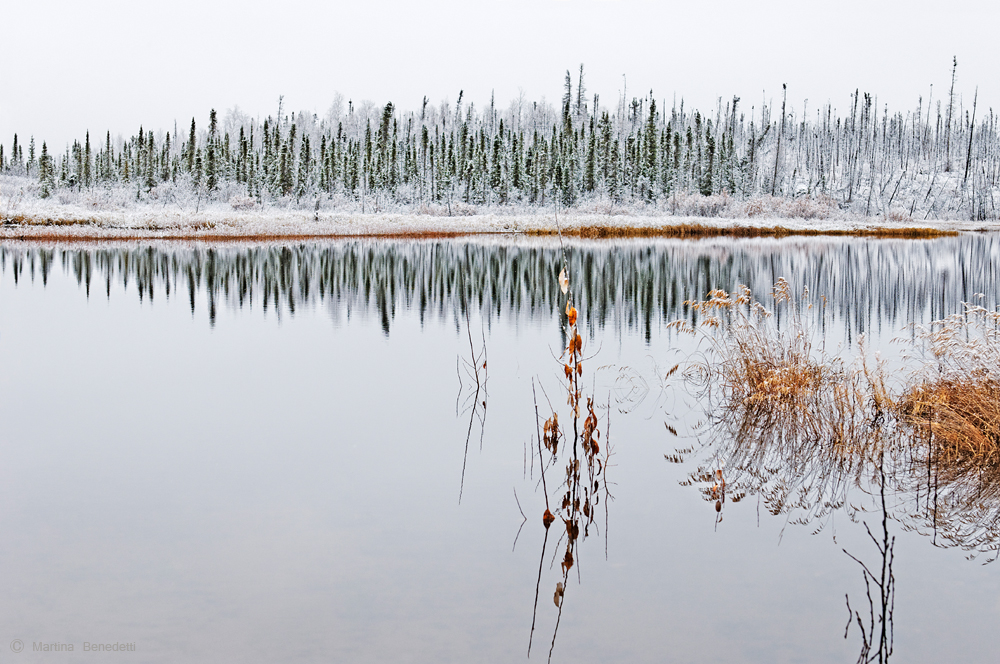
(210,224)
(103,216)
(216,222)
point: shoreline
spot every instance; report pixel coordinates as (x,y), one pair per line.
(221,227)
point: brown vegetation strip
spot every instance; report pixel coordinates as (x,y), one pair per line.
(197,232)
(700,230)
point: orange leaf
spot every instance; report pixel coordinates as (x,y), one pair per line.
(567,563)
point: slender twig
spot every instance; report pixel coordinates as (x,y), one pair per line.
(522,522)
(562,600)
(541,462)
(538,585)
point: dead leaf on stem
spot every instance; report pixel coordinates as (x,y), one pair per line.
(571,314)
(567,563)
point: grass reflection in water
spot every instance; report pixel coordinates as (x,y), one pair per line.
(801,430)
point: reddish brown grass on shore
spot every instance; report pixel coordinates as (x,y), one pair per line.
(703,230)
(196,231)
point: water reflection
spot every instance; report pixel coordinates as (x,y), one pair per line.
(576,494)
(472,395)
(801,429)
(808,433)
(629,284)
(806,453)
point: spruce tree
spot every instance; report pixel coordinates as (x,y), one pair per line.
(64,174)
(198,169)
(165,160)
(77,174)
(614,172)
(150,165)
(87,178)
(590,170)
(706,177)
(651,141)
(284,172)
(107,161)
(302,186)
(46,176)
(665,160)
(383,149)
(496,170)
(211,165)
(31,156)
(192,139)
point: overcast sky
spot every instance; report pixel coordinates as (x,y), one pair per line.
(73,65)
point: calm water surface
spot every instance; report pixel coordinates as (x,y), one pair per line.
(256,453)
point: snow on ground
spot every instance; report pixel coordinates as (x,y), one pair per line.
(99,216)
(277,223)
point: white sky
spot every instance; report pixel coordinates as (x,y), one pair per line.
(73,65)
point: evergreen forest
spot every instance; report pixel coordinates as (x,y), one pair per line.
(939,159)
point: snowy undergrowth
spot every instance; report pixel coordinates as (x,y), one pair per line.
(171,209)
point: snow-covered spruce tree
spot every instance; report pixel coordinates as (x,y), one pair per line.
(32,165)
(46,174)
(211,156)
(190,148)
(87,180)
(303,181)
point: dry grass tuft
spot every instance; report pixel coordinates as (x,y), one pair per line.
(787,421)
(954,401)
(962,418)
(949,415)
(790,422)
(759,365)
(800,429)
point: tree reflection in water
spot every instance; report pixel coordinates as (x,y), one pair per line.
(788,423)
(637,285)
(472,393)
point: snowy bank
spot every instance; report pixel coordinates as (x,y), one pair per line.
(41,219)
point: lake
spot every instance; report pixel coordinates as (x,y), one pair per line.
(269,452)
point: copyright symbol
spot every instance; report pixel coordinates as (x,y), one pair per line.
(17,645)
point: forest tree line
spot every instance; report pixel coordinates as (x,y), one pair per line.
(936,159)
